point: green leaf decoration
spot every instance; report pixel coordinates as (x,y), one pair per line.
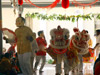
(61,17)
(73,19)
(50,61)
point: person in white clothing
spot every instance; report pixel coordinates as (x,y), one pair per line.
(35,48)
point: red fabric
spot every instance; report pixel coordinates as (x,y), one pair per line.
(60,51)
(16,67)
(97,69)
(41,41)
(40,53)
(71,44)
(65,3)
(49,6)
(11,49)
(91,52)
(20,2)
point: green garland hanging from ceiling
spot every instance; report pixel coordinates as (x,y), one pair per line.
(61,17)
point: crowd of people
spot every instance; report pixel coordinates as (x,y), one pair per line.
(9,64)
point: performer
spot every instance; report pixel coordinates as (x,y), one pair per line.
(97,46)
(41,54)
(79,42)
(34,49)
(57,49)
(95,65)
(24,37)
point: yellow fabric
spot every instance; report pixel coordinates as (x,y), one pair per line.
(23,44)
(90,43)
(75,51)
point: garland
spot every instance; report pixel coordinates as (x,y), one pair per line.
(61,17)
(49,6)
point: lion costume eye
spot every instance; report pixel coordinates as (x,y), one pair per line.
(77,38)
(65,37)
(52,37)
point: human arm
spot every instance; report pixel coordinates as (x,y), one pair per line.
(35,47)
(96,45)
(31,35)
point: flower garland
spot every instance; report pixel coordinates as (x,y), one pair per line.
(61,17)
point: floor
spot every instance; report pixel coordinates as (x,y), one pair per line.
(50,70)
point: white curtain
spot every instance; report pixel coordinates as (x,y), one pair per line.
(29,22)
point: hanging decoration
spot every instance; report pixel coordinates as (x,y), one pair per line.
(61,17)
(20,2)
(20,9)
(76,3)
(49,6)
(65,4)
(13,4)
(17,5)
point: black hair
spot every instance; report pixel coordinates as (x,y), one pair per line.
(87,31)
(16,55)
(23,19)
(7,55)
(99,55)
(40,33)
(98,31)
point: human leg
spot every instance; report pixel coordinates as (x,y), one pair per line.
(80,66)
(20,59)
(58,64)
(66,67)
(32,61)
(43,62)
(27,59)
(37,62)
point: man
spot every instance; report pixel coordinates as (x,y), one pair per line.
(34,49)
(41,54)
(24,37)
(95,64)
(97,46)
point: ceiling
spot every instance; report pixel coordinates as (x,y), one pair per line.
(7,3)
(50,0)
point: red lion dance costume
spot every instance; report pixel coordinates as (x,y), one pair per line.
(59,50)
(79,42)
